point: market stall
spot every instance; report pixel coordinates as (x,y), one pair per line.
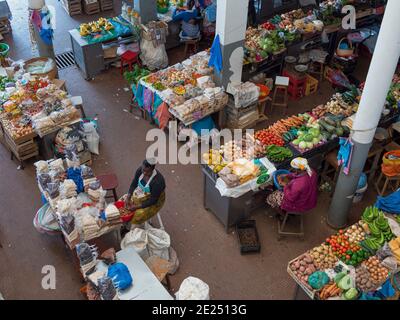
(75,201)
(95,44)
(187,89)
(310,135)
(32,109)
(358,263)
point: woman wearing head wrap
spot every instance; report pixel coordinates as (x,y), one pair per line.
(146,195)
(300,189)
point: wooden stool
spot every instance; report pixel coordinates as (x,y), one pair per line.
(331,166)
(160,268)
(109,182)
(129,58)
(191,44)
(317,69)
(389,181)
(281,88)
(281,226)
(78,103)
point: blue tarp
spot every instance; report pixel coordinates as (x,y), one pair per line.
(389,204)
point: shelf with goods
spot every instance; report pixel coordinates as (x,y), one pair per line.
(73,193)
(310,135)
(187,88)
(352,264)
(32,109)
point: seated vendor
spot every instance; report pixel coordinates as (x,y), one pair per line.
(190,21)
(300,189)
(146,195)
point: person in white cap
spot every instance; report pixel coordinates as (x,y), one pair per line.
(146,195)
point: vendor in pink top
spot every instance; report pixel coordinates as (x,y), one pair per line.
(300,190)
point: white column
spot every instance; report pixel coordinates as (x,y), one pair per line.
(231,28)
(377,85)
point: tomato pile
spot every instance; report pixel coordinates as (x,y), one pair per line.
(349,253)
(267,138)
(268,26)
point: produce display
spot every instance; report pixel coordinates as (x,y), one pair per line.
(378,229)
(267,137)
(188,89)
(342,267)
(378,273)
(36,106)
(5,82)
(302,268)
(94,27)
(324,257)
(278,154)
(134,76)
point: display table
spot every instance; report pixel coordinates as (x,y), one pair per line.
(89,57)
(145,284)
(229,211)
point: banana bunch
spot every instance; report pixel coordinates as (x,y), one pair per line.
(378,228)
(214,160)
(94,27)
(108,26)
(102,22)
(84,29)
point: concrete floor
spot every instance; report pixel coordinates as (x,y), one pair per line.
(204,249)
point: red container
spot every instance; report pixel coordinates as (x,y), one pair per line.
(125,218)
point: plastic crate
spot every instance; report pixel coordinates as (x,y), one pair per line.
(311,85)
(248,236)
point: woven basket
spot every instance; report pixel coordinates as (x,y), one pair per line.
(345,52)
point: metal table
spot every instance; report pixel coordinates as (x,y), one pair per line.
(145,285)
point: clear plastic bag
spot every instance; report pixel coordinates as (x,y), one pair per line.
(107,289)
(53,189)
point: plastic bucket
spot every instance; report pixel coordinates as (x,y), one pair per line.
(275,176)
(360,194)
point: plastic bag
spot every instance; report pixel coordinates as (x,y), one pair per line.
(86,172)
(120,275)
(44,179)
(53,189)
(318,280)
(158,243)
(173,260)
(162,115)
(153,58)
(107,289)
(137,239)
(92,138)
(41,166)
(193,289)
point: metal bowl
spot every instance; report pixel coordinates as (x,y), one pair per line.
(301,68)
(290,59)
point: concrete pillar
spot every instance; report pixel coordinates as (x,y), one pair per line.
(147,10)
(377,85)
(231,28)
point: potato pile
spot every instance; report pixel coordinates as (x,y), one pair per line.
(363,280)
(323,257)
(355,233)
(303,267)
(378,273)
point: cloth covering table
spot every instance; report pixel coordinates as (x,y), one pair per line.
(145,284)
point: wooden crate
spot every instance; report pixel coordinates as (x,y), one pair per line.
(91,6)
(23,151)
(73,7)
(106,5)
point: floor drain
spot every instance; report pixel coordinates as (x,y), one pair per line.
(65,60)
